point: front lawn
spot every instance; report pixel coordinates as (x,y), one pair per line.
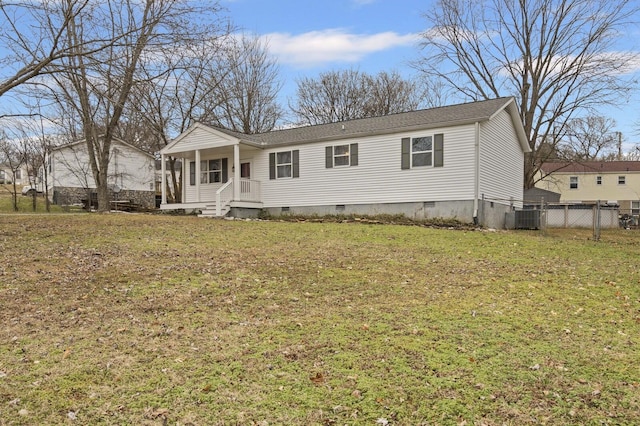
(148,319)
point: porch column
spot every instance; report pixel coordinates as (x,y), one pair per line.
(197,175)
(184,177)
(236,172)
(163,180)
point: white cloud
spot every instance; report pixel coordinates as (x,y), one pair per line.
(332,45)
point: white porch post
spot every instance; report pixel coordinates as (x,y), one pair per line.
(184,177)
(236,172)
(198,175)
(163,180)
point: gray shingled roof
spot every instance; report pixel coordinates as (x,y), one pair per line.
(413,120)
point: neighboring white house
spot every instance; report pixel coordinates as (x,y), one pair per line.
(131,174)
(19,176)
(434,163)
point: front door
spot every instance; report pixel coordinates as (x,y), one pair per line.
(245,173)
(245,170)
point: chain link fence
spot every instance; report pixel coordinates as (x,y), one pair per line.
(540,215)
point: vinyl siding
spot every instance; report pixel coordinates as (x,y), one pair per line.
(501,161)
(128,168)
(587,190)
(378,177)
(200,138)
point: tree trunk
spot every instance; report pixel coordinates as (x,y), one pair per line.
(104,200)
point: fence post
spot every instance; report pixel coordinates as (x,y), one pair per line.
(596,222)
(543,215)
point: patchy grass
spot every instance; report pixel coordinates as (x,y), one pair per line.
(142,319)
(25,203)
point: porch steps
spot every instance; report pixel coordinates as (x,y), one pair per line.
(210,210)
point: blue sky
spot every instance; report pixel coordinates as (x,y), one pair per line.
(308,37)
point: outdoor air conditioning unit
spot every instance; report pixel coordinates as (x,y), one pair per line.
(527,219)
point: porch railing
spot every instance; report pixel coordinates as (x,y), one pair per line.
(250,190)
(224,196)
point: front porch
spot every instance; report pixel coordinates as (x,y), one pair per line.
(222,201)
(217,169)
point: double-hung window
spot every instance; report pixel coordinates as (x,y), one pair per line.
(341,155)
(284,164)
(211,171)
(635,208)
(622,180)
(573,182)
(423,151)
(598,180)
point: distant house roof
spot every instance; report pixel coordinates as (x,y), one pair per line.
(591,167)
(452,115)
(537,195)
(114,140)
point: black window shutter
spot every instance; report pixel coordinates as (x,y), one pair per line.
(295,158)
(225,170)
(328,157)
(438,150)
(192,173)
(406,153)
(272,165)
(353,152)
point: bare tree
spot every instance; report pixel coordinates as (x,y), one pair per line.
(165,106)
(95,85)
(555,57)
(389,93)
(349,94)
(590,138)
(11,157)
(33,37)
(32,144)
(245,99)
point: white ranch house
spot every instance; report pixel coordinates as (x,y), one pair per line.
(131,174)
(434,163)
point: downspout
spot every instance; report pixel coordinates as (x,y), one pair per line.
(476,189)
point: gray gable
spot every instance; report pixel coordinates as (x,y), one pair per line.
(394,123)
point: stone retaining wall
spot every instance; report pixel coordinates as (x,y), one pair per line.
(65,196)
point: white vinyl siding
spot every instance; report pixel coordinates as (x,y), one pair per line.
(501,161)
(378,177)
(200,138)
(129,168)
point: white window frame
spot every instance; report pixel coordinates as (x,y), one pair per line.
(622,180)
(343,155)
(598,180)
(429,152)
(208,175)
(573,182)
(284,165)
(635,208)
